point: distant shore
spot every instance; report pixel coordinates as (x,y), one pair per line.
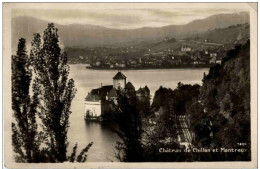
(147,68)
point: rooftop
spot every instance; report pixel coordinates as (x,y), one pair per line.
(129,86)
(92,97)
(119,75)
(146,89)
(102,91)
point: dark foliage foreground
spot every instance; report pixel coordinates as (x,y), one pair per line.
(49,107)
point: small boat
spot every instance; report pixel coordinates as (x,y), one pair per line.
(95,118)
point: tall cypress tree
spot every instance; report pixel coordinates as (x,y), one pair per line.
(56,90)
(25,140)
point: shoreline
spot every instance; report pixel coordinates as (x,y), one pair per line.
(150,68)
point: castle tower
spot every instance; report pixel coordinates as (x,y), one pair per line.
(119,81)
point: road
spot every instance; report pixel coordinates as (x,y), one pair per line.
(183,130)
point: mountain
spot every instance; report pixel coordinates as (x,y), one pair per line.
(230,35)
(91,35)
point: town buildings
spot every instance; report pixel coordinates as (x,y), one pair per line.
(183,56)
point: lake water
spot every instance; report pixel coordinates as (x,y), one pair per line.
(104,139)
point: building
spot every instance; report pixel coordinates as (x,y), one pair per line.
(102,100)
(213,55)
(218,61)
(98,63)
(92,105)
(143,92)
(119,81)
(212,60)
(122,65)
(130,89)
(97,102)
(185,49)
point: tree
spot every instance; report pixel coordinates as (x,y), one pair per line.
(56,91)
(130,131)
(225,95)
(25,138)
(82,157)
(199,125)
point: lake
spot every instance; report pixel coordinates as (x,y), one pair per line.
(100,133)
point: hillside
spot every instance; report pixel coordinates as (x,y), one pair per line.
(234,34)
(225,95)
(91,35)
(230,35)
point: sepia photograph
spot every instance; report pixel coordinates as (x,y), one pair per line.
(141,85)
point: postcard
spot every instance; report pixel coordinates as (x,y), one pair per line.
(130,85)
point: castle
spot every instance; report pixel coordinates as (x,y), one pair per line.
(101,101)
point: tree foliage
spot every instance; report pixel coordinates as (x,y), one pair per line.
(52,91)
(130,131)
(56,90)
(82,157)
(222,119)
(25,138)
(175,100)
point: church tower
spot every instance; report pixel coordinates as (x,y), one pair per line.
(119,81)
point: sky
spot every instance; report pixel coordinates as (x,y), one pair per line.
(123,18)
